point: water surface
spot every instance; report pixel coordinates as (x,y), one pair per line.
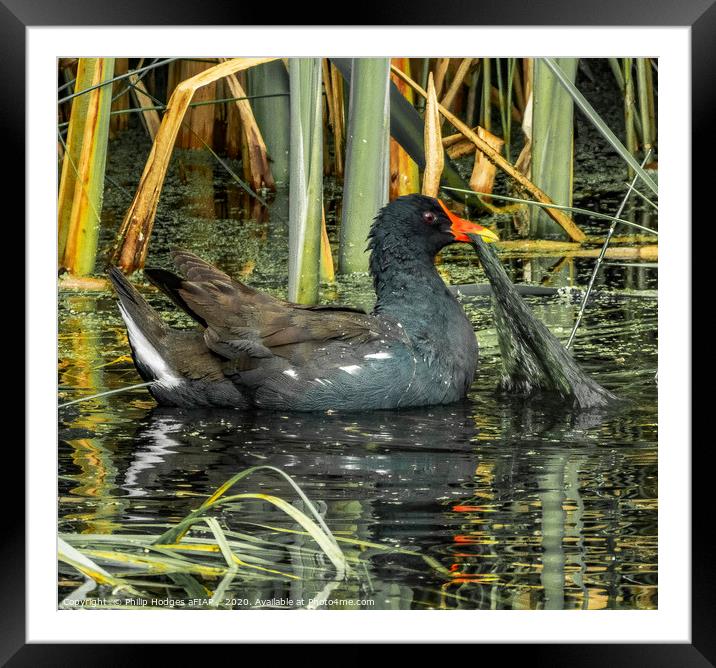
(522,505)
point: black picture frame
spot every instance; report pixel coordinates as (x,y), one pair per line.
(700,15)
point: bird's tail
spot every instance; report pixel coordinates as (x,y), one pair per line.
(146,332)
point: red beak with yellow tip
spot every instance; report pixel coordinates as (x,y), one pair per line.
(460,227)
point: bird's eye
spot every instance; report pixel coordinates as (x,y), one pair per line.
(429,217)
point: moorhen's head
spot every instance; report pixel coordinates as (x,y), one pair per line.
(416,225)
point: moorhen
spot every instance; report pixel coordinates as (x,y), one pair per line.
(416,348)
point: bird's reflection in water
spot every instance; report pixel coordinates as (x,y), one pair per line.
(407,454)
(426,479)
(420,451)
(377,477)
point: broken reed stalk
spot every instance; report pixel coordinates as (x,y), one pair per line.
(627,247)
(456,146)
(455,84)
(82,180)
(564,220)
(570,249)
(134,234)
(367,159)
(483,171)
(554,246)
(458,138)
(461,149)
(434,153)
(258,163)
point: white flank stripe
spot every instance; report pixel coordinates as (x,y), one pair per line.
(378,356)
(148,354)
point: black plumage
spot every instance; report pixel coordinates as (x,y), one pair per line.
(416,348)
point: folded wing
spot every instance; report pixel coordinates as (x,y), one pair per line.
(246,326)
